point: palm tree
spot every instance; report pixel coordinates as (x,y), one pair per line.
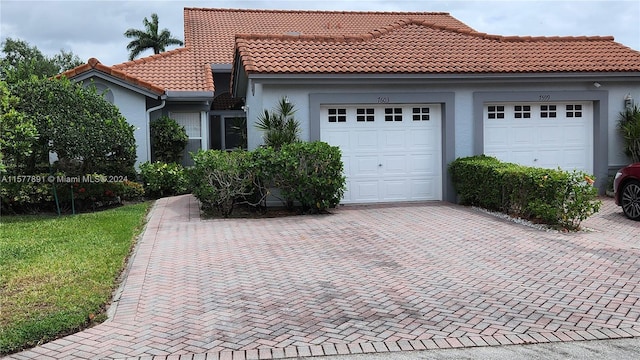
(149,38)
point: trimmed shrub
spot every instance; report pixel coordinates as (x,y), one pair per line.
(554,197)
(221,180)
(311,173)
(168,140)
(161,179)
(307,173)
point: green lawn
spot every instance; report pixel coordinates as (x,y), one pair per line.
(58,273)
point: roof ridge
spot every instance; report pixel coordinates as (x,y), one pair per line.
(398,24)
(94,63)
(510,38)
(149,58)
(321,11)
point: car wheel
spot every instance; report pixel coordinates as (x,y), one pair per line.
(630,200)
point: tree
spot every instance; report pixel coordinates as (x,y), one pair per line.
(18,134)
(21,61)
(88,133)
(149,38)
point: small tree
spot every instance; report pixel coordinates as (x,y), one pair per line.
(279,126)
(168,140)
(79,125)
(18,133)
(629,125)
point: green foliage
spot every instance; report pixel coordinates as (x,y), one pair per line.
(311,173)
(162,179)
(32,194)
(168,140)
(149,38)
(629,126)
(221,180)
(58,273)
(554,197)
(18,133)
(21,61)
(87,132)
(279,126)
(307,173)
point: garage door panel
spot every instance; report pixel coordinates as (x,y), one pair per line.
(521,135)
(423,164)
(394,190)
(423,189)
(496,137)
(366,139)
(422,139)
(393,164)
(338,138)
(365,165)
(524,157)
(365,191)
(393,139)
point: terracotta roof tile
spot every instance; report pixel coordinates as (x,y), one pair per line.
(94,64)
(412,46)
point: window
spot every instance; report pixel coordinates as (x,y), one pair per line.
(235,132)
(574,111)
(337,115)
(421,114)
(522,112)
(365,114)
(393,114)
(495,112)
(547,111)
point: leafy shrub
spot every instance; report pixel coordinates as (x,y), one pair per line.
(18,134)
(221,180)
(85,192)
(279,126)
(161,179)
(168,140)
(554,197)
(308,173)
(629,125)
(86,131)
(311,173)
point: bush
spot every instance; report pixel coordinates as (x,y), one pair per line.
(88,134)
(161,179)
(221,180)
(31,194)
(18,134)
(629,125)
(554,197)
(168,140)
(309,173)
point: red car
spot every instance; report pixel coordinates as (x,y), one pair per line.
(627,190)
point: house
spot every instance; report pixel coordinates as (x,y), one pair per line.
(402,94)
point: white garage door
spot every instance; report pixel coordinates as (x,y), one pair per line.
(390,152)
(548,135)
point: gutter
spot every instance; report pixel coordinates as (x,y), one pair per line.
(147,131)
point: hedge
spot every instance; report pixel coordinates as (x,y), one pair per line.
(555,197)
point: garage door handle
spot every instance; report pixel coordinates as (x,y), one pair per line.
(380,165)
(535,159)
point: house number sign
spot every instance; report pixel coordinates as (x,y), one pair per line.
(383,99)
(544,98)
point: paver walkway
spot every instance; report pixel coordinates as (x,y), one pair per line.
(362,280)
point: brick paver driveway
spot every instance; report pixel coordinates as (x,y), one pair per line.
(363,279)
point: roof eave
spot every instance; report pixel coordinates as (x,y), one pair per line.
(186,95)
(116,80)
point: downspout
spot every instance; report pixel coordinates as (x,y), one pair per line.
(148,134)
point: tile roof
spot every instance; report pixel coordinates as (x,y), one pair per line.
(212,31)
(94,64)
(414,46)
(176,70)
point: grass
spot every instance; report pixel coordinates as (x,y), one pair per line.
(57,274)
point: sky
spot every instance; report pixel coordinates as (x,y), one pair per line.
(91,28)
